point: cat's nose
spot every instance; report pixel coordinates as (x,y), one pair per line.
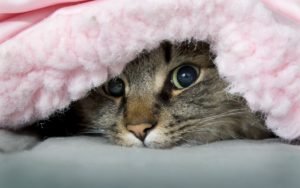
(139,130)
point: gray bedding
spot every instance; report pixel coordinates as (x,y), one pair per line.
(90,162)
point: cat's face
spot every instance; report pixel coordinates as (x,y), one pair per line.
(168,97)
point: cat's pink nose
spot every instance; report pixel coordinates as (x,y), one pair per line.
(139,130)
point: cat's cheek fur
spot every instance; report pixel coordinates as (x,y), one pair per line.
(154,140)
(158,139)
(129,140)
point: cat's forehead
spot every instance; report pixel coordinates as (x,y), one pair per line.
(146,67)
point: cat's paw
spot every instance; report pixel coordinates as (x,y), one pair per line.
(11,141)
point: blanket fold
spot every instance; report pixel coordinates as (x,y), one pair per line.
(54,52)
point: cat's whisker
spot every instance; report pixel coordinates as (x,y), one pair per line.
(211,130)
(205,120)
(196,131)
(189,141)
(91,134)
(220,116)
(231,112)
(93,131)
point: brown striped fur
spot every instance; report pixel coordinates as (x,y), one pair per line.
(198,114)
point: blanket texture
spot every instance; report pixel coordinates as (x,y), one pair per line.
(79,162)
(54,52)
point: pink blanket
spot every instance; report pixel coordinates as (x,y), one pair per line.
(53,52)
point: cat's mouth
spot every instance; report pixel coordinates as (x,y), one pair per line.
(154,139)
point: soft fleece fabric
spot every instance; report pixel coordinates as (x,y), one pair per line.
(79,162)
(54,52)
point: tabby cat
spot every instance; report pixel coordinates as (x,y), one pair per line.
(166,97)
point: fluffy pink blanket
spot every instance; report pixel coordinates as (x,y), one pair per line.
(53,52)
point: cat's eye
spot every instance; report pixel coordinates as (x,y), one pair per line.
(184,76)
(115,87)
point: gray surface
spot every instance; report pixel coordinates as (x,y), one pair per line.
(90,162)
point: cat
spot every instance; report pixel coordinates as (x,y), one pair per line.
(166,97)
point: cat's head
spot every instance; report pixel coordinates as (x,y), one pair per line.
(169,96)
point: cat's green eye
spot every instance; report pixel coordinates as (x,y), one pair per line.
(115,87)
(184,76)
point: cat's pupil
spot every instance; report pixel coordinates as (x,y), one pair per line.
(186,75)
(116,87)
